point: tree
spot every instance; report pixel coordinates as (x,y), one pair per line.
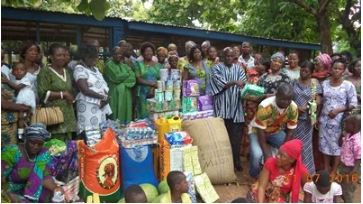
(210,14)
(324,11)
(127,9)
(350,20)
(321,21)
(300,20)
(97,8)
(320,12)
(282,20)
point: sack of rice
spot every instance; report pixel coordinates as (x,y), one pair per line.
(215,152)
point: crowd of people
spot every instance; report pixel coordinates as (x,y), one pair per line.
(317,98)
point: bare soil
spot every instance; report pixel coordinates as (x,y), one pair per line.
(229,192)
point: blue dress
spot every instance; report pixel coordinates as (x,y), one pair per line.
(304,129)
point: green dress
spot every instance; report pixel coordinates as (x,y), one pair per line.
(120,79)
(48,80)
(151,73)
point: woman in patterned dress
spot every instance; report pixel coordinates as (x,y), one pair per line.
(198,69)
(92,100)
(9,115)
(271,81)
(147,73)
(339,96)
(55,88)
(303,89)
(25,169)
(282,176)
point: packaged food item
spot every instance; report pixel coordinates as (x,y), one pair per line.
(164,73)
(205,103)
(253,90)
(161,85)
(189,104)
(175,74)
(191,190)
(93,136)
(174,138)
(198,115)
(168,95)
(150,104)
(176,94)
(166,115)
(191,88)
(138,133)
(99,169)
(177,84)
(205,188)
(169,85)
(159,95)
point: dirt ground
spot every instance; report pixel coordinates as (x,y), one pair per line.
(227,193)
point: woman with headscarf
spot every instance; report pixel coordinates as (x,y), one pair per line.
(323,64)
(281,175)
(271,81)
(25,174)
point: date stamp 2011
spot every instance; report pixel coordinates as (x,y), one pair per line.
(339,178)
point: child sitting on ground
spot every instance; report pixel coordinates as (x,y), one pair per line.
(21,82)
(349,167)
(135,194)
(178,185)
(321,189)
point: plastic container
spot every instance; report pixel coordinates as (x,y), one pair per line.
(162,127)
(175,124)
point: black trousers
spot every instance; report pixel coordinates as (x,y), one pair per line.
(235,131)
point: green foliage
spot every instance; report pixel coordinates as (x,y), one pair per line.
(278,19)
(211,14)
(126,9)
(97,8)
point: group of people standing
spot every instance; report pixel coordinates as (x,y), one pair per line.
(88,91)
